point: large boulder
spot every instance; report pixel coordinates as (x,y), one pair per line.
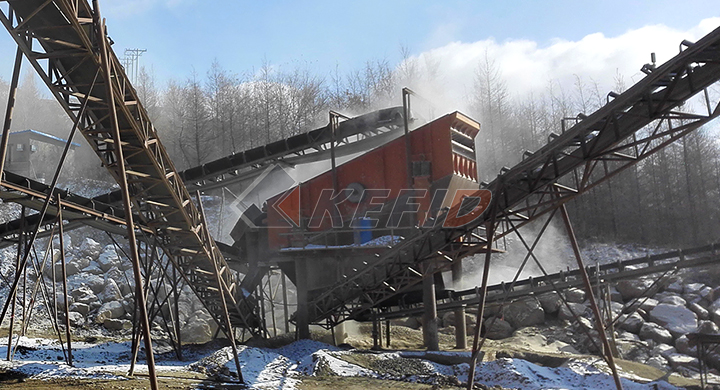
(575,295)
(646,304)
(707,327)
(678,360)
(80,308)
(630,289)
(112,310)
(90,248)
(108,258)
(525,312)
(693,288)
(76,319)
(83,294)
(93,268)
(115,324)
(565,311)
(679,320)
(700,311)
(197,330)
(673,300)
(631,323)
(550,302)
(111,292)
(500,329)
(682,344)
(655,332)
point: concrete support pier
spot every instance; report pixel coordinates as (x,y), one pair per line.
(430,318)
(460,325)
(301,280)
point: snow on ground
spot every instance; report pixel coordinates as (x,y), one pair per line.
(283,368)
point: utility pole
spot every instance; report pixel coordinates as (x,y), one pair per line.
(131,62)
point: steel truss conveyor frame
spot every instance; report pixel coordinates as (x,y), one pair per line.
(596,148)
(59,39)
(612,272)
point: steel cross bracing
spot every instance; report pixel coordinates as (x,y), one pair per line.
(77,210)
(59,39)
(606,273)
(595,149)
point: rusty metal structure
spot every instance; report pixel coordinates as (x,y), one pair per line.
(66,43)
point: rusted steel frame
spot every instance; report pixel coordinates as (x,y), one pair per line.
(46,204)
(13,295)
(64,283)
(9,110)
(229,328)
(490,231)
(40,285)
(531,253)
(122,178)
(591,297)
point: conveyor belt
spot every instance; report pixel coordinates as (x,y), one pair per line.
(59,40)
(533,187)
(606,273)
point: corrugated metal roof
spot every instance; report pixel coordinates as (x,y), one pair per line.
(46,135)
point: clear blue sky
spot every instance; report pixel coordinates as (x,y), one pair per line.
(184,34)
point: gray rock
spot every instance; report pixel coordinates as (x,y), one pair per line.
(90,248)
(81,262)
(80,308)
(111,292)
(575,295)
(196,330)
(112,310)
(550,302)
(692,288)
(700,311)
(682,344)
(707,327)
(526,312)
(500,329)
(678,361)
(627,336)
(108,258)
(631,323)
(83,295)
(646,304)
(93,268)
(76,319)
(675,287)
(674,300)
(630,289)
(115,324)
(655,332)
(578,308)
(658,362)
(706,292)
(663,350)
(678,320)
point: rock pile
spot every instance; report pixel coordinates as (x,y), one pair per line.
(648,329)
(101,291)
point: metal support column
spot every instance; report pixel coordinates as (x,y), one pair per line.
(460,325)
(229,333)
(430,318)
(122,176)
(593,304)
(64,282)
(490,229)
(9,110)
